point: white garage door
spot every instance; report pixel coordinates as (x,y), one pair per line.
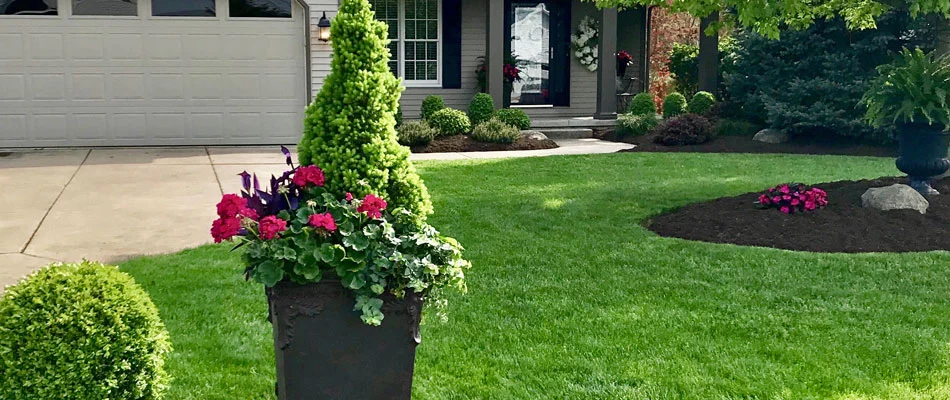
(151,72)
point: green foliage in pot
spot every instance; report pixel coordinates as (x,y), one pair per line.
(481,109)
(495,131)
(349,130)
(431,105)
(449,121)
(514,117)
(642,104)
(416,133)
(674,104)
(81,331)
(702,103)
(914,89)
(636,125)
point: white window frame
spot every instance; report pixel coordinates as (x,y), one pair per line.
(401,48)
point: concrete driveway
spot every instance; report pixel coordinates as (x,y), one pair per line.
(113,204)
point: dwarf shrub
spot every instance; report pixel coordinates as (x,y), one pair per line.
(431,105)
(495,131)
(636,125)
(701,103)
(481,109)
(449,121)
(673,105)
(416,133)
(642,104)
(349,130)
(81,332)
(514,117)
(684,130)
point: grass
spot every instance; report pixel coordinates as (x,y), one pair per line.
(570,298)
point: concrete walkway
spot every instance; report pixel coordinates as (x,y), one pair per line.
(113,204)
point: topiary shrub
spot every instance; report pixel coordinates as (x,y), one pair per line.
(416,133)
(349,130)
(642,104)
(636,125)
(495,131)
(81,331)
(481,109)
(684,130)
(674,104)
(702,103)
(431,105)
(514,117)
(449,121)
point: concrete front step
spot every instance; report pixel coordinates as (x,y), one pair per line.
(578,122)
(567,133)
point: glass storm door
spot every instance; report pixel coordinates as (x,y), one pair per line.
(538,37)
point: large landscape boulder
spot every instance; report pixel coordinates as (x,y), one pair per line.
(533,135)
(773,136)
(895,197)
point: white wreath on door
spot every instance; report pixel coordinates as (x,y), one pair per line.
(585,41)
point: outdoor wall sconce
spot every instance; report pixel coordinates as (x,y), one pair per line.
(323,28)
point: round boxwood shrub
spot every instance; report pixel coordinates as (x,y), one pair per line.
(81,331)
(415,133)
(495,131)
(642,104)
(701,103)
(481,109)
(514,117)
(431,105)
(673,105)
(684,130)
(636,125)
(449,121)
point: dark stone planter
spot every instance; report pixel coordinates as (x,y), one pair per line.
(325,351)
(923,155)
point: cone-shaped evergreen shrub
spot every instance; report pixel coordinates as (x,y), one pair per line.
(349,130)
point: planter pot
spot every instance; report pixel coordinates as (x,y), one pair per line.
(621,68)
(923,155)
(325,351)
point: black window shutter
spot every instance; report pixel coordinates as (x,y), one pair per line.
(452,44)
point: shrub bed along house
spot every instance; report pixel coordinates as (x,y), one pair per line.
(636,125)
(81,332)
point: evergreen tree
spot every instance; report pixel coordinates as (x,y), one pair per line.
(349,130)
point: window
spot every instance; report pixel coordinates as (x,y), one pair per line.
(106,7)
(260,8)
(415,35)
(183,8)
(28,7)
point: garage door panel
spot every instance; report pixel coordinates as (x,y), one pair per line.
(167,125)
(88,87)
(207,125)
(130,126)
(49,127)
(13,127)
(12,45)
(89,127)
(124,46)
(127,86)
(48,87)
(85,46)
(48,47)
(12,87)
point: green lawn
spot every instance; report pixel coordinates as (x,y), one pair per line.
(570,298)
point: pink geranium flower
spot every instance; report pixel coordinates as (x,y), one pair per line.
(323,221)
(225,228)
(309,175)
(271,227)
(372,206)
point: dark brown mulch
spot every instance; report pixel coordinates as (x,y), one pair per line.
(463,143)
(745,144)
(844,226)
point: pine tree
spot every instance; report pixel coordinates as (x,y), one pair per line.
(349,130)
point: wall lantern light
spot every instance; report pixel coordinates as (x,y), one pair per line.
(323,28)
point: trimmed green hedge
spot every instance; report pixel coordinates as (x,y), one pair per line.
(642,104)
(481,109)
(514,117)
(449,121)
(431,105)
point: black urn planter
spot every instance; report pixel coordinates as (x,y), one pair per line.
(923,155)
(621,68)
(325,351)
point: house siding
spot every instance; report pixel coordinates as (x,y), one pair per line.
(583,96)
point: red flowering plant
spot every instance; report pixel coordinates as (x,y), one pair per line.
(790,198)
(624,58)
(294,230)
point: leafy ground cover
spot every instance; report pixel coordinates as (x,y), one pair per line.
(570,297)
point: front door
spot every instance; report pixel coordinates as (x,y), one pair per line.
(538,33)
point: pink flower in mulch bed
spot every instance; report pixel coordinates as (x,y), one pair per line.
(225,228)
(323,221)
(271,227)
(793,197)
(372,206)
(308,175)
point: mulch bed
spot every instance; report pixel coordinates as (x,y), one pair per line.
(745,144)
(843,226)
(463,143)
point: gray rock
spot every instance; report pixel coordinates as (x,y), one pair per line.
(895,197)
(773,136)
(533,135)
